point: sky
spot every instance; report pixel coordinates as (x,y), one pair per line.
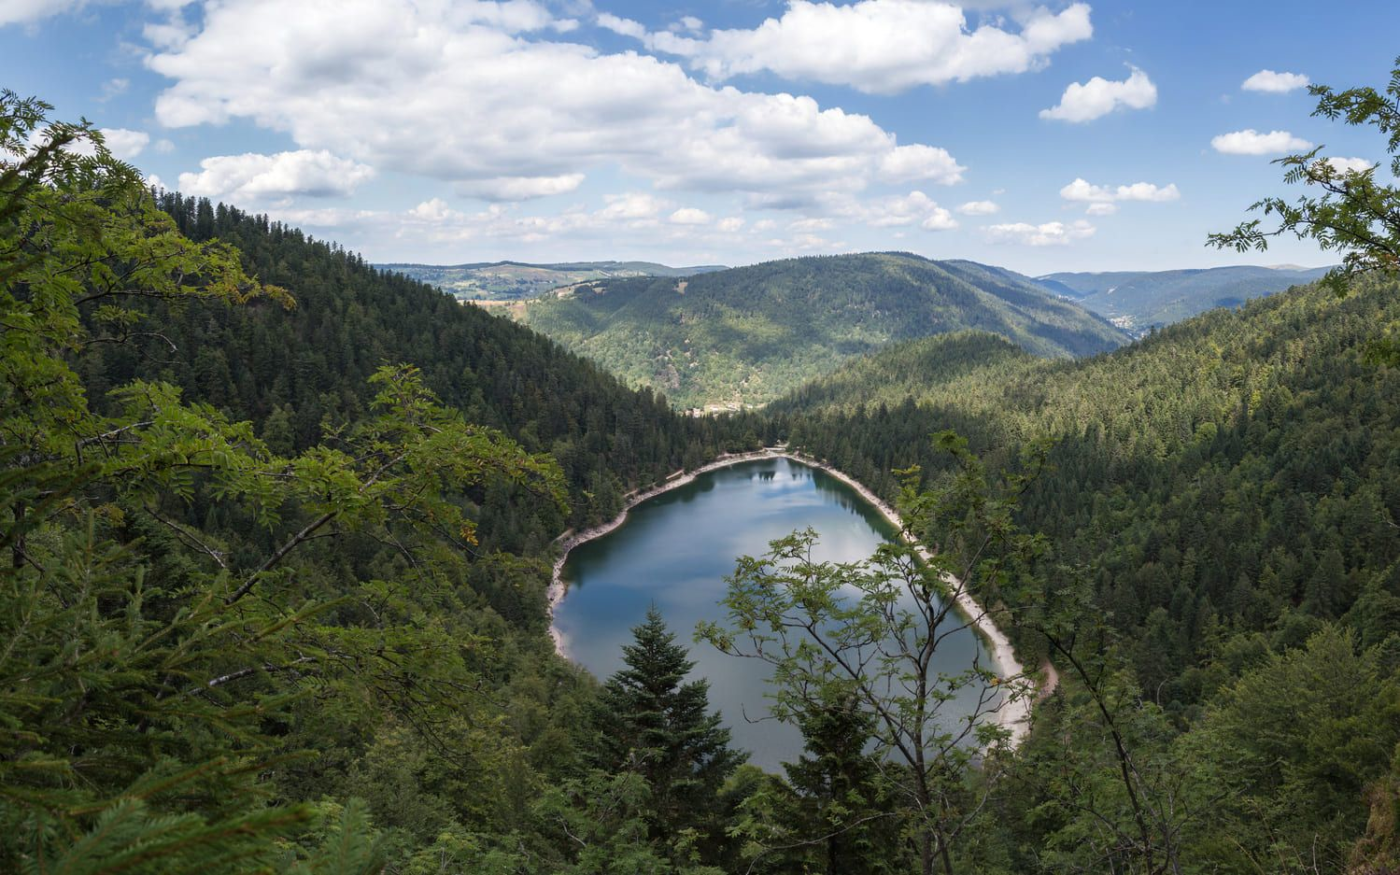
(1036,136)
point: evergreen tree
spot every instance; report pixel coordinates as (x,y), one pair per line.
(651,721)
(842,807)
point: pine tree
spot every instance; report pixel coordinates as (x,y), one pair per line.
(651,721)
(841,806)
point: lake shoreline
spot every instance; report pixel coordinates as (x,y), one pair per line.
(1014,716)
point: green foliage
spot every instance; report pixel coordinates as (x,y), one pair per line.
(178,637)
(1354,215)
(1290,752)
(651,722)
(748,335)
(1232,473)
(865,635)
(292,373)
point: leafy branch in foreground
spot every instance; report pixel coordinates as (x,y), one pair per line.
(150,668)
(1354,215)
(871,633)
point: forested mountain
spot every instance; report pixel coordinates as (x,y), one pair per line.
(747,335)
(1218,494)
(289,372)
(514,281)
(276,529)
(1140,300)
(273,596)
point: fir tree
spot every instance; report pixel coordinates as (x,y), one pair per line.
(842,805)
(651,721)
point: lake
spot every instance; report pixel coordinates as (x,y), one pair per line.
(675,550)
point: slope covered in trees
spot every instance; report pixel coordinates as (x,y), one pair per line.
(747,335)
(1219,494)
(273,596)
(1141,300)
(288,371)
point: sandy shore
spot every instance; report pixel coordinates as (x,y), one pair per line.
(1013,715)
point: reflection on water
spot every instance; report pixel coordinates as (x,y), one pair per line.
(675,551)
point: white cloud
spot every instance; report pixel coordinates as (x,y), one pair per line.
(164,146)
(1350,165)
(125,144)
(632,205)
(112,88)
(690,216)
(1099,97)
(979,208)
(435,89)
(1251,142)
(731,224)
(520,188)
(623,26)
(1081,191)
(30,11)
(1275,83)
(894,211)
(1049,234)
(254,177)
(1100,209)
(876,46)
(909,163)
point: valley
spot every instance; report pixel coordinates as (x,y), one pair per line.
(869,563)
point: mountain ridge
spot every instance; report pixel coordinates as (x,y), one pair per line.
(1138,301)
(747,335)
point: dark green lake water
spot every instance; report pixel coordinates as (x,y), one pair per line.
(675,550)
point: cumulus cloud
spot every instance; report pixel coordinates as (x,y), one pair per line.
(520,188)
(1100,209)
(253,178)
(1350,165)
(1275,83)
(894,211)
(623,26)
(125,144)
(1048,234)
(730,224)
(876,46)
(1251,142)
(1082,191)
(435,89)
(690,216)
(909,163)
(1083,102)
(979,208)
(30,11)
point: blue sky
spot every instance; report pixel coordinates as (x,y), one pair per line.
(1038,136)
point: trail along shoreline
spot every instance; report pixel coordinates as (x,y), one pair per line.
(1014,713)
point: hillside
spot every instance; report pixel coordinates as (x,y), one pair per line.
(514,281)
(290,372)
(1139,300)
(747,335)
(1219,493)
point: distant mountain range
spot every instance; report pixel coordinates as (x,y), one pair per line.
(747,335)
(514,280)
(1139,300)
